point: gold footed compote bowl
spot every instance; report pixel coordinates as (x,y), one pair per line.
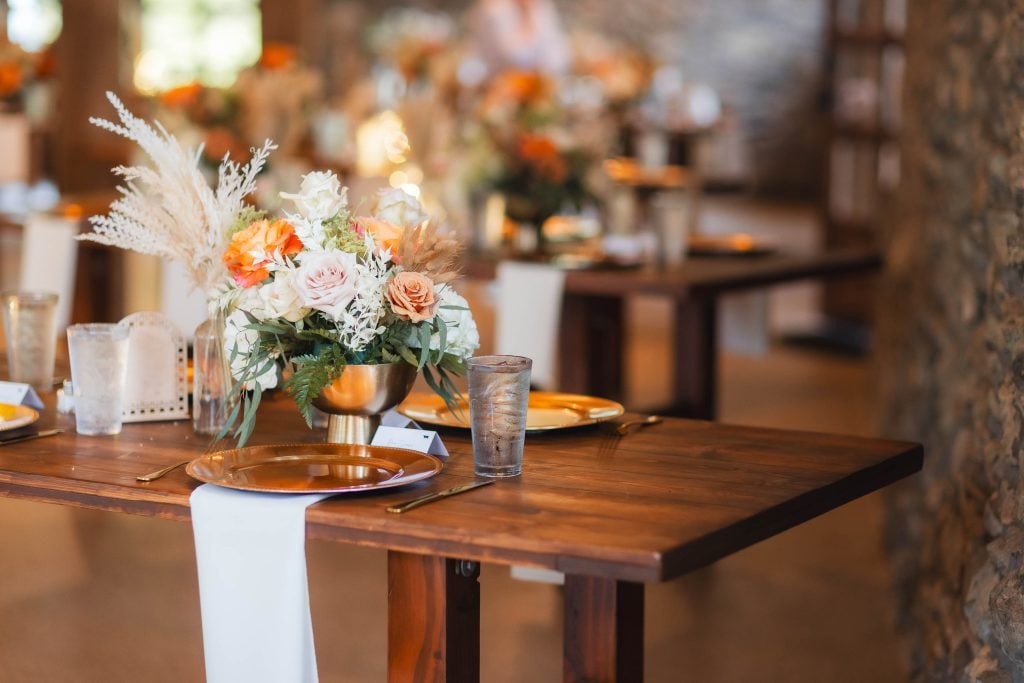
(357,398)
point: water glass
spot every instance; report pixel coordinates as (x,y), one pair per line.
(30,330)
(499,389)
(99,361)
(673,212)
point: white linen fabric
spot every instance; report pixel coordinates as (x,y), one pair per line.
(528,317)
(49,254)
(251,557)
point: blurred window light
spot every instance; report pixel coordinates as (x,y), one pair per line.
(196,41)
(33,24)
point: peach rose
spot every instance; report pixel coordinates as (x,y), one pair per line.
(412,296)
(385,235)
(253,249)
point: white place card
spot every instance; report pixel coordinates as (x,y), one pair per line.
(412,439)
(18,394)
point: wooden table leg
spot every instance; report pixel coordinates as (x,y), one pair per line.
(433,619)
(592,346)
(696,358)
(604,630)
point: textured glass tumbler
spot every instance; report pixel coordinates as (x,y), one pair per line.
(30,331)
(99,361)
(499,390)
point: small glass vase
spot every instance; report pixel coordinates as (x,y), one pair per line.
(211,381)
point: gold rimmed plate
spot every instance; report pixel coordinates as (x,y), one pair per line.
(313,468)
(16,417)
(546,411)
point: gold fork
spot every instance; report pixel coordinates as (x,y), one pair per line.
(153,476)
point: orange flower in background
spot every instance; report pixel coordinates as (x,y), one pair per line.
(252,250)
(184,96)
(542,154)
(521,87)
(277,56)
(385,235)
(11,78)
(220,141)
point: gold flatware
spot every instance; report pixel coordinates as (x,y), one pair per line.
(152,476)
(431,497)
(29,437)
(623,428)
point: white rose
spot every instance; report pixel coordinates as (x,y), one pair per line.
(320,197)
(238,343)
(280,299)
(462,337)
(327,281)
(397,207)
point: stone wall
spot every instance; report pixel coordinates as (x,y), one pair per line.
(951,341)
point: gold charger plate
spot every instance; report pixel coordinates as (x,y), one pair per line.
(15,417)
(313,468)
(545,411)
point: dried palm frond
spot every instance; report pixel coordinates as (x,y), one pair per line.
(168,209)
(425,250)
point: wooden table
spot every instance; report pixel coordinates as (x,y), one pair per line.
(612,513)
(593,335)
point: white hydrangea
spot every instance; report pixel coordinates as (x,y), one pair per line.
(462,337)
(238,342)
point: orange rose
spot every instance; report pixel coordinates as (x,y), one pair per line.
(412,296)
(183,96)
(385,235)
(252,250)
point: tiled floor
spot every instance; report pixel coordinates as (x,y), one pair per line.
(90,596)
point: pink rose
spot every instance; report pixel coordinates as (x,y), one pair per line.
(412,296)
(326,281)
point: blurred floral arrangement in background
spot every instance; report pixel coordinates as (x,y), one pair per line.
(409,39)
(22,74)
(525,145)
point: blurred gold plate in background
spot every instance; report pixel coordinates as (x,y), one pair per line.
(545,411)
(313,468)
(14,417)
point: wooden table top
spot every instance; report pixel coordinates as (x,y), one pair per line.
(703,275)
(647,507)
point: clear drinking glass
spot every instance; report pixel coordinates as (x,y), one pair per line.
(99,361)
(499,389)
(30,331)
(672,216)
(211,382)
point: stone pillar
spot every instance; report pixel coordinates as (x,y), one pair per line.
(951,341)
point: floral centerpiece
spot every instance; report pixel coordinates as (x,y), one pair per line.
(325,288)
(307,294)
(410,38)
(526,148)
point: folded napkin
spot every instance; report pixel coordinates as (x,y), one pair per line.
(528,316)
(251,556)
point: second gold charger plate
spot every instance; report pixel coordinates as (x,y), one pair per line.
(313,468)
(546,410)
(15,417)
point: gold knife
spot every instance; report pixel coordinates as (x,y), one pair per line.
(29,437)
(431,497)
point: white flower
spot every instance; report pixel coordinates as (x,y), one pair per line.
(327,281)
(239,341)
(462,337)
(320,197)
(397,207)
(280,299)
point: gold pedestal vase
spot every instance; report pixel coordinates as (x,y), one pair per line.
(355,401)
